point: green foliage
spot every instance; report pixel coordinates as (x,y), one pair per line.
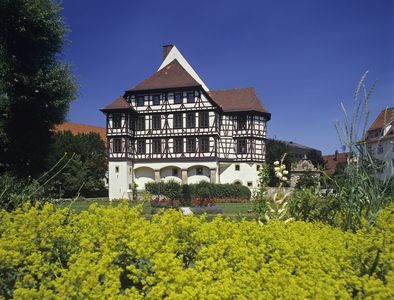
(14,192)
(307,180)
(308,204)
(186,198)
(112,252)
(85,172)
(360,189)
(35,87)
(202,189)
(260,196)
(274,152)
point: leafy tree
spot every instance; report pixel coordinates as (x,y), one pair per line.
(35,87)
(85,171)
(274,152)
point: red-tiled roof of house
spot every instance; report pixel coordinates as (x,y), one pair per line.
(77,128)
(385,117)
(118,103)
(171,76)
(332,160)
(233,100)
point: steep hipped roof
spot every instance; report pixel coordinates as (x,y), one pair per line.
(77,128)
(385,117)
(171,76)
(118,103)
(233,100)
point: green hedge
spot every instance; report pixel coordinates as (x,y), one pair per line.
(203,189)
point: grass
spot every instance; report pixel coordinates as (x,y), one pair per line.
(229,209)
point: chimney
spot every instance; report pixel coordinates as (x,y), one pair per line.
(166,50)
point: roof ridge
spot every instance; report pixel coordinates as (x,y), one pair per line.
(231,89)
(80,124)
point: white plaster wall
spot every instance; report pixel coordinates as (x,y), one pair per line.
(119,181)
(387,156)
(192,176)
(247,173)
(142,176)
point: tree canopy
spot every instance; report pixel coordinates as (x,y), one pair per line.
(35,86)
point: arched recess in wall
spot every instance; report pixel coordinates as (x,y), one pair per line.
(198,173)
(142,176)
(171,173)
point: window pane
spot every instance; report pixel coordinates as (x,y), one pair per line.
(117,145)
(177,98)
(241,122)
(190,97)
(156,122)
(190,120)
(140,123)
(203,119)
(242,146)
(140,147)
(204,144)
(178,145)
(178,122)
(140,100)
(191,145)
(156,146)
(156,99)
(116,121)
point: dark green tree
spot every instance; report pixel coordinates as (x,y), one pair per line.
(85,172)
(274,152)
(35,86)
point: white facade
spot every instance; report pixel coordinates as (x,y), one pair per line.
(181,132)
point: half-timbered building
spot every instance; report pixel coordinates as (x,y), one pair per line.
(172,127)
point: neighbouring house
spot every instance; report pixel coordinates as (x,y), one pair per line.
(171,126)
(379,140)
(334,162)
(76,128)
(302,152)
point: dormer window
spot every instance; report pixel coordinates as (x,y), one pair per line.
(178,98)
(190,97)
(156,99)
(140,100)
(116,121)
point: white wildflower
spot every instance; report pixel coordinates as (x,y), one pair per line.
(276,163)
(285,172)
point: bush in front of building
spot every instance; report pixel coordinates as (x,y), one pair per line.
(202,190)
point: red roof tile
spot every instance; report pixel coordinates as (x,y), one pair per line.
(171,76)
(76,128)
(118,103)
(233,100)
(385,117)
(332,160)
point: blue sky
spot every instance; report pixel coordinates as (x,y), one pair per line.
(302,57)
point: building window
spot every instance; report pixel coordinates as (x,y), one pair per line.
(190,97)
(140,123)
(117,145)
(237,167)
(116,169)
(156,146)
(242,146)
(250,184)
(140,147)
(380,148)
(258,168)
(178,120)
(130,171)
(178,98)
(178,145)
(129,186)
(156,122)
(116,121)
(204,144)
(199,171)
(156,99)
(190,120)
(191,145)
(175,172)
(131,123)
(140,100)
(241,122)
(203,119)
